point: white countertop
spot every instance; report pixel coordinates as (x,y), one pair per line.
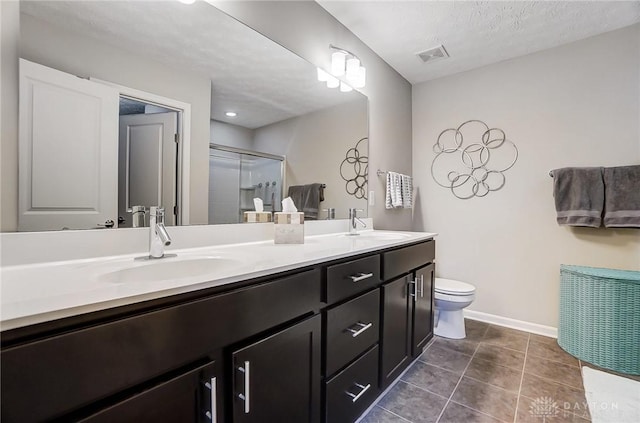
(35,293)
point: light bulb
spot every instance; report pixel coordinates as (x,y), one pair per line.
(360,81)
(187,1)
(231,114)
(345,88)
(337,63)
(322,75)
(332,82)
(353,65)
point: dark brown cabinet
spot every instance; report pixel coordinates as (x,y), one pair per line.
(277,379)
(407,313)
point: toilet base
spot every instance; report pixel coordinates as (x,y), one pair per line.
(450,324)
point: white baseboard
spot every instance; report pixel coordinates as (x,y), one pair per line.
(512,323)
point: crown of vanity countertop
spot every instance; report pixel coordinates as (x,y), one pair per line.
(35,293)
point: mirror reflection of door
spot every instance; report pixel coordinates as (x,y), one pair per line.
(147,159)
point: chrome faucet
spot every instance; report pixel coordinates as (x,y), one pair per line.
(137,216)
(353,219)
(158,235)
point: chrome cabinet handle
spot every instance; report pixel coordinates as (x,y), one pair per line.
(413,293)
(213,414)
(421,286)
(361,276)
(363,327)
(363,388)
(247,379)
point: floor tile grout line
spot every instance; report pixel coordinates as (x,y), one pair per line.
(524,366)
(423,389)
(457,384)
(440,367)
(397,415)
(555,381)
(557,361)
(477,411)
(490,384)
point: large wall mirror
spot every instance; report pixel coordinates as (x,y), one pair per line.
(176,105)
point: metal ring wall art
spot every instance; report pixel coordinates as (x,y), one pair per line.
(354,169)
(476,169)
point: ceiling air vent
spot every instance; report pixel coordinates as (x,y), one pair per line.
(433,54)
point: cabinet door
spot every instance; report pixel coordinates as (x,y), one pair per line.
(422,308)
(396,330)
(277,379)
(189,397)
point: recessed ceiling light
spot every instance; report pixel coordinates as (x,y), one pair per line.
(231,114)
(187,1)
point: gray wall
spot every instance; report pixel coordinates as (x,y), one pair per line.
(574,105)
(231,135)
(307,29)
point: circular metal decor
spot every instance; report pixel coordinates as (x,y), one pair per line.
(354,170)
(473,174)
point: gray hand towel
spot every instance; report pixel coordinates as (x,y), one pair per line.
(622,197)
(579,196)
(307,199)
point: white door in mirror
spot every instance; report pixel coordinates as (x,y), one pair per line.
(68,144)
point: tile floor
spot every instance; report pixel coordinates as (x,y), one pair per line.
(496,374)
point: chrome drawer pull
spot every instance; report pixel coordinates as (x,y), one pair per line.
(363,390)
(413,292)
(421,286)
(212,415)
(361,276)
(363,327)
(245,396)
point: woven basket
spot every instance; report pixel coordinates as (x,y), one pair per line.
(600,316)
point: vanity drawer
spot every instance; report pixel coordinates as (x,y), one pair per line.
(351,329)
(348,279)
(351,391)
(404,260)
(48,378)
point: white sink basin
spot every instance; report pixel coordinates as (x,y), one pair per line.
(382,236)
(170,269)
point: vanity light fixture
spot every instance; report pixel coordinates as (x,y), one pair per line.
(231,114)
(343,62)
(345,88)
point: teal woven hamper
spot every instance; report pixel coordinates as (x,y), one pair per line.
(600,316)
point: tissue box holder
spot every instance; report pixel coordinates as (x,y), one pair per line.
(257,217)
(289,228)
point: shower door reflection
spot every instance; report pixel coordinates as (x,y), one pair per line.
(238,176)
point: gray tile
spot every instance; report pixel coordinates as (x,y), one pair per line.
(463,346)
(539,411)
(557,372)
(488,399)
(413,403)
(552,351)
(505,337)
(543,339)
(566,397)
(445,358)
(500,355)
(474,329)
(456,413)
(431,378)
(379,415)
(494,374)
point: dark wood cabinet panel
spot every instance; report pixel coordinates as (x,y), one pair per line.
(406,259)
(277,379)
(396,330)
(185,398)
(423,309)
(351,328)
(111,357)
(345,280)
(351,391)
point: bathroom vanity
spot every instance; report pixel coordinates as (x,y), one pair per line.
(316,340)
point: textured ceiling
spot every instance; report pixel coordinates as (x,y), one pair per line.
(251,75)
(474,33)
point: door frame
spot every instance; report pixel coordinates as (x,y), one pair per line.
(184,145)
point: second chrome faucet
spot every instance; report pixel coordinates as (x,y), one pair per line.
(354,220)
(158,235)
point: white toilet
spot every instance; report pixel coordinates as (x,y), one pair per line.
(451,297)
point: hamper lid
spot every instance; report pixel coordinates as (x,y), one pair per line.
(601,272)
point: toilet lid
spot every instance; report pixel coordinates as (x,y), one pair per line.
(453,287)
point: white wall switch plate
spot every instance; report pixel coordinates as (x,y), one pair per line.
(372,198)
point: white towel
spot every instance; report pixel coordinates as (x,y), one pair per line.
(393,198)
(407,191)
(399,191)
